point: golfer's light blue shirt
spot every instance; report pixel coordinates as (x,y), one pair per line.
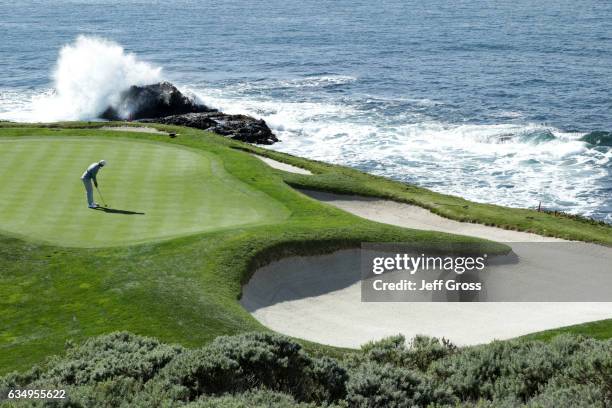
(91,172)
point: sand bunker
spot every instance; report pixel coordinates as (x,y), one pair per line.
(139,129)
(411,216)
(319,298)
(282,166)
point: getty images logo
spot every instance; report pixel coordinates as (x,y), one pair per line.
(411,264)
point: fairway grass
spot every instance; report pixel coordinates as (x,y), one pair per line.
(156,191)
(227,213)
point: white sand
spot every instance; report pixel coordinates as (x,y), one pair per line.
(319,298)
(139,129)
(411,216)
(282,166)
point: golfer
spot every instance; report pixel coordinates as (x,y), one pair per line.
(89,176)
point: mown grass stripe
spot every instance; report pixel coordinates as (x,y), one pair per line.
(47,199)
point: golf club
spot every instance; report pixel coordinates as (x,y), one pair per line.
(101,197)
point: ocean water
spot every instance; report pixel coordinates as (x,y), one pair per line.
(483,99)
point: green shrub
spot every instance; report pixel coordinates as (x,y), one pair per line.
(254,360)
(510,370)
(250,399)
(329,380)
(117,392)
(269,370)
(375,385)
(589,370)
(114,355)
(418,354)
(17,380)
(200,372)
(557,395)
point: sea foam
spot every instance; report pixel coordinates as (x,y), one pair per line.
(89,76)
(513,164)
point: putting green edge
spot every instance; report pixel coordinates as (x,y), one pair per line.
(217,188)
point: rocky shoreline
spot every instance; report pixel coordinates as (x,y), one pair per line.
(164,103)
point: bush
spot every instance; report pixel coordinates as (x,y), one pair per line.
(239,363)
(106,357)
(254,360)
(97,363)
(269,370)
(117,392)
(418,355)
(251,399)
(374,385)
(590,370)
(510,370)
(562,395)
(329,380)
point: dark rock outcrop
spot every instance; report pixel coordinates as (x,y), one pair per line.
(598,138)
(152,101)
(239,127)
(164,103)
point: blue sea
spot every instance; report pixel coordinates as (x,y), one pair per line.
(487,100)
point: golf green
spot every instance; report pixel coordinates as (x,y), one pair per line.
(154,191)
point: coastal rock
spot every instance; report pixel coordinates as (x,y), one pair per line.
(598,138)
(152,101)
(239,127)
(164,103)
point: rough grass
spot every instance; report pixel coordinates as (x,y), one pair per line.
(345,180)
(601,329)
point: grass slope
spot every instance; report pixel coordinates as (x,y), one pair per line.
(179,191)
(339,179)
(601,329)
(182,290)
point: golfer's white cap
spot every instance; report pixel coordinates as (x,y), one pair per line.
(102,163)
